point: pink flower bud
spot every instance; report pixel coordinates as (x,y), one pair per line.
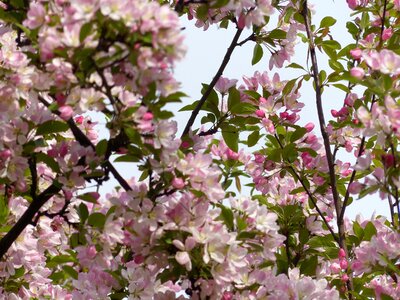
(388,160)
(138,259)
(309,126)
(190,243)
(353,3)
(263,100)
(334,113)
(178,183)
(185,144)
(259,158)
(227,296)
(344,278)
(283,115)
(270,165)
(6,153)
(335,268)
(342,253)
(356,53)
(66,112)
(61,99)
(357,72)
(343,264)
(148,116)
(260,113)
(242,21)
(387,33)
(232,154)
(79,120)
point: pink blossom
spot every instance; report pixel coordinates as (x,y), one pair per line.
(224,84)
(355,187)
(343,264)
(397,4)
(66,112)
(178,183)
(387,33)
(344,278)
(309,126)
(357,72)
(356,53)
(183,258)
(35,16)
(335,268)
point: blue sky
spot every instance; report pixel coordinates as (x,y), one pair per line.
(205,50)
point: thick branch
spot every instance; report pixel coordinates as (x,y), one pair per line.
(27,217)
(219,73)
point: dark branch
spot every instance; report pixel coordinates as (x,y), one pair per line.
(27,217)
(219,73)
(84,141)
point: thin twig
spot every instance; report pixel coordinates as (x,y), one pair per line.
(85,142)
(219,73)
(310,196)
(325,136)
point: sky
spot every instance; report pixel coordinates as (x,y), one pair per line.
(205,50)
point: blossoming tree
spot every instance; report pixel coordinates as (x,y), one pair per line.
(185,228)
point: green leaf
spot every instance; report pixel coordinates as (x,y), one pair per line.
(227,216)
(62,259)
(3,209)
(298,134)
(253,94)
(335,65)
(231,136)
(352,29)
(71,272)
(101,147)
(275,155)
(295,66)
(253,138)
(369,231)
(289,153)
(257,54)
(88,197)
(202,12)
(327,22)
(358,230)
(97,220)
(243,109)
(85,31)
(342,87)
(289,87)
(83,212)
(234,97)
(277,34)
(52,127)
(49,161)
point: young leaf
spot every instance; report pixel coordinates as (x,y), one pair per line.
(257,54)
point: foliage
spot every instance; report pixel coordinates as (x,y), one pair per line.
(254,207)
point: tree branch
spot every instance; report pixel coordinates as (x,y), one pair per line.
(328,152)
(27,217)
(219,73)
(84,141)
